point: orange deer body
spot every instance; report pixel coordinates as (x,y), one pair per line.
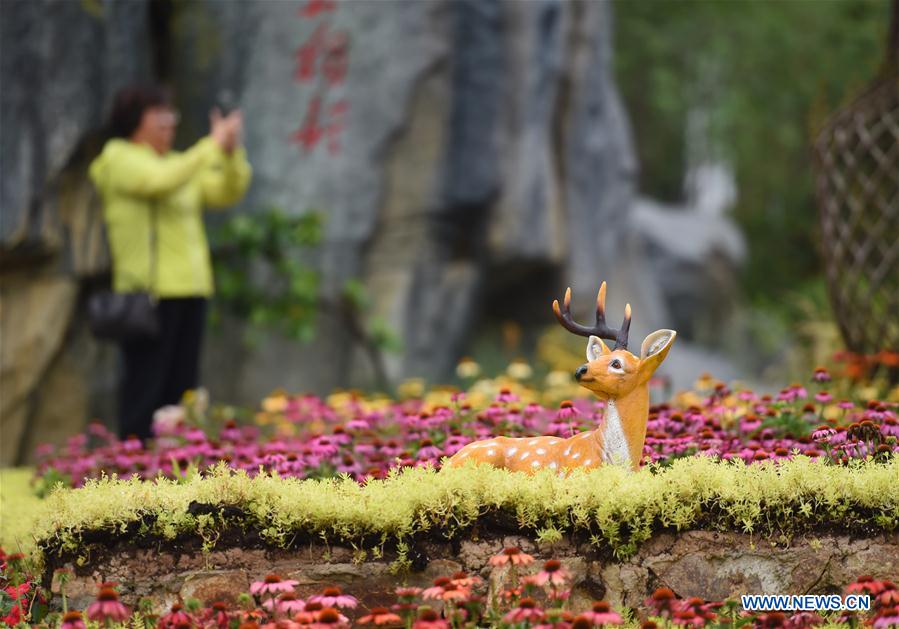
(617,377)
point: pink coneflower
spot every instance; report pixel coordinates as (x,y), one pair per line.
(801,620)
(688,618)
(662,601)
(429,619)
(272,584)
(821,375)
(217,615)
(428,451)
(890,427)
(823,397)
(887,617)
(505,396)
(453,592)
(846,405)
(330,618)
(601,614)
(107,606)
(436,590)
(174,618)
(407,592)
(553,573)
(567,411)
(890,596)
(771,619)
(465,580)
(866,584)
(323,447)
(333,597)
(379,616)
(512,556)
(72,620)
(823,433)
(526,611)
(286,603)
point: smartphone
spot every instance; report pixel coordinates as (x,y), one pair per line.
(226,102)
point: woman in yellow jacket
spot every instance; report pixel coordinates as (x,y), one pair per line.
(153,201)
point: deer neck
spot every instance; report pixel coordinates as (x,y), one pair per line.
(623,430)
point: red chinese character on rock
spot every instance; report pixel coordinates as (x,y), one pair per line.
(336,114)
(337,47)
(307,54)
(314,7)
(310,132)
(332,47)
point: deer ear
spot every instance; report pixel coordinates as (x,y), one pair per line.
(655,348)
(596,348)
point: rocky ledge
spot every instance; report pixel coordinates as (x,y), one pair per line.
(711,565)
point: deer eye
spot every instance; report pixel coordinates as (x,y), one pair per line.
(615,364)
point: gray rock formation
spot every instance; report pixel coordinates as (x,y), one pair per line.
(485,143)
(60,62)
(474,160)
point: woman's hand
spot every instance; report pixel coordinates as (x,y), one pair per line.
(219,128)
(227,131)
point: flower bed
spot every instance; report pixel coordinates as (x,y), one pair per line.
(307,437)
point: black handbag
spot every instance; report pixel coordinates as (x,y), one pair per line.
(125,317)
(122,316)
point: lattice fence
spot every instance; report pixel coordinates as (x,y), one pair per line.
(857,159)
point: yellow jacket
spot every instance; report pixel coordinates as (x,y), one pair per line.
(137,183)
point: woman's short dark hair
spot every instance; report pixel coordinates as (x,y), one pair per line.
(129,106)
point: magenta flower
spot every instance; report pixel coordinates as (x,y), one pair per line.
(429,619)
(107,607)
(272,584)
(527,611)
(823,433)
(72,620)
(553,573)
(601,614)
(174,618)
(505,396)
(286,603)
(823,397)
(333,597)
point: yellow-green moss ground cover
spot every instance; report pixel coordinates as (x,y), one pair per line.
(20,510)
(612,507)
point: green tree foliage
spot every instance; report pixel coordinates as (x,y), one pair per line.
(767,73)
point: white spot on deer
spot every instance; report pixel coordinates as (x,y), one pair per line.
(553,442)
(553,465)
(532,442)
(567,450)
(511,451)
(525,455)
(464,454)
(541,451)
(535,464)
(491,452)
(585,435)
(587,462)
(576,455)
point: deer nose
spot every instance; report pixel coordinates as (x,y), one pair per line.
(580,372)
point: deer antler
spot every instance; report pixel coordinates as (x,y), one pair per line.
(601,330)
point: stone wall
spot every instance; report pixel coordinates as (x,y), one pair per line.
(714,566)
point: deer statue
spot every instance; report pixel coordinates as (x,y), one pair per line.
(615,376)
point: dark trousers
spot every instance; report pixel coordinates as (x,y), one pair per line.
(158,371)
